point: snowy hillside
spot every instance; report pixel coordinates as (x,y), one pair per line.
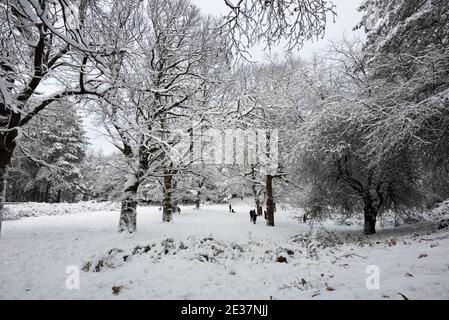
(213,254)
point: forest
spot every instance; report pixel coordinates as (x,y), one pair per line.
(357,132)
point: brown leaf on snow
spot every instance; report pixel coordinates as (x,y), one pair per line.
(281,259)
(391,242)
(329,288)
(117,289)
(422,256)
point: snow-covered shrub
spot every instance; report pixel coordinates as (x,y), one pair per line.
(32,209)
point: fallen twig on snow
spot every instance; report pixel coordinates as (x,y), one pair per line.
(347,256)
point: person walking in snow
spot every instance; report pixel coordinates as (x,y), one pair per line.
(230,208)
(253,216)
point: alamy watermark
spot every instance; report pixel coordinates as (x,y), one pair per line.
(226,147)
(72,281)
(372,282)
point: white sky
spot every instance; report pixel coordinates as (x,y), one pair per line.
(347,18)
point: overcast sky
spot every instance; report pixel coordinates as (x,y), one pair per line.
(347,18)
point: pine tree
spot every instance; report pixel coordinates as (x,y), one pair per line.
(50,158)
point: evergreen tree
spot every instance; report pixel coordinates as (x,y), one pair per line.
(51,152)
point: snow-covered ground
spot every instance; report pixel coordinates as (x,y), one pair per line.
(213,254)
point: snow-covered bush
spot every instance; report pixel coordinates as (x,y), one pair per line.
(33,209)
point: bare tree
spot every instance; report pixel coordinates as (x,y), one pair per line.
(158,78)
(43,43)
(338,171)
(272,22)
(408,64)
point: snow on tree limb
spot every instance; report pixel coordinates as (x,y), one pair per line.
(273,22)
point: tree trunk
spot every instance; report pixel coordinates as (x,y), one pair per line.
(370,215)
(259,208)
(3,173)
(128,213)
(198,195)
(257,200)
(270,201)
(6,150)
(34,195)
(198,200)
(167,210)
(256,194)
(47,192)
(59,196)
(7,146)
